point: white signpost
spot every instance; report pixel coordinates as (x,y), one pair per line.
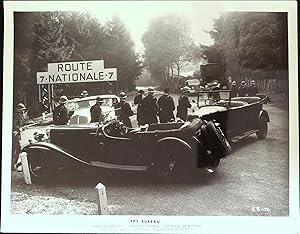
(76,72)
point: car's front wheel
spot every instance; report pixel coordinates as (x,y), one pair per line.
(262,128)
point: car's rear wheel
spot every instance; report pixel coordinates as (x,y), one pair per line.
(169,165)
(263,128)
(218,142)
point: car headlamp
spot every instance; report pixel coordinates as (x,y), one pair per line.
(38,135)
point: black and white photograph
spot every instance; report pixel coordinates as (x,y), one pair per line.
(150,117)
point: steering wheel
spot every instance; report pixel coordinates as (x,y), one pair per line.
(116,128)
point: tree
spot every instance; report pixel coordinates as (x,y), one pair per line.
(251,41)
(168,47)
(120,53)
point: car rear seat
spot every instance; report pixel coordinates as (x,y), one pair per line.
(164,126)
(233,103)
(249,100)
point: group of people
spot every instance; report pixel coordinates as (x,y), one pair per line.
(149,109)
(243,90)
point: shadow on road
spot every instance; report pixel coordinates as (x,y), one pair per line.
(109,178)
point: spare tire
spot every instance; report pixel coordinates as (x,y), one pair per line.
(218,143)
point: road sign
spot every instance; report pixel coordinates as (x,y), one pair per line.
(77,72)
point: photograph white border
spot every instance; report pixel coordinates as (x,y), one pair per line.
(121,224)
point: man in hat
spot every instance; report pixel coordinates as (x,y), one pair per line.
(166,107)
(123,110)
(183,104)
(18,121)
(96,111)
(234,90)
(150,107)
(61,114)
(214,96)
(252,90)
(242,91)
(140,110)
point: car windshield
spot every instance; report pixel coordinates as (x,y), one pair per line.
(212,97)
(78,104)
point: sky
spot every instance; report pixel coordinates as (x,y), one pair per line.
(137,15)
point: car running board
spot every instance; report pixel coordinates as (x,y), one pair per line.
(118,166)
(237,138)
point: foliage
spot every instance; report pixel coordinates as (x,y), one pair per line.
(44,37)
(245,40)
(168,47)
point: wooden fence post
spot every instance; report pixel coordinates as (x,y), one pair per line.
(25,167)
(101,199)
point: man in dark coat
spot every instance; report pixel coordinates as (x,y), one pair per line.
(243,89)
(252,90)
(183,104)
(96,111)
(166,107)
(140,110)
(61,114)
(123,110)
(150,106)
(214,96)
(18,121)
(234,90)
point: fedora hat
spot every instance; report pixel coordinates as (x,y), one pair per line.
(150,90)
(185,89)
(63,99)
(122,96)
(21,106)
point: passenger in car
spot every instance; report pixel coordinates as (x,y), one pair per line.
(96,111)
(123,110)
(166,107)
(183,104)
(61,114)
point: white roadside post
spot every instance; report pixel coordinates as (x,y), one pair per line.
(101,199)
(25,167)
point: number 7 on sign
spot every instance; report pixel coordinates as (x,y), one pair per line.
(41,78)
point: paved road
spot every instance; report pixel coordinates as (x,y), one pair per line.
(253,180)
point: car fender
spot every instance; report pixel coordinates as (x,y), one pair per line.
(174,140)
(264,114)
(49,149)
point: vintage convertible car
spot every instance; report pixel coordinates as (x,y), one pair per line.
(168,150)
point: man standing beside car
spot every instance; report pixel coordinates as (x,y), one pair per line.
(61,114)
(233,90)
(96,111)
(252,90)
(183,104)
(140,110)
(243,89)
(18,121)
(123,110)
(150,107)
(166,107)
